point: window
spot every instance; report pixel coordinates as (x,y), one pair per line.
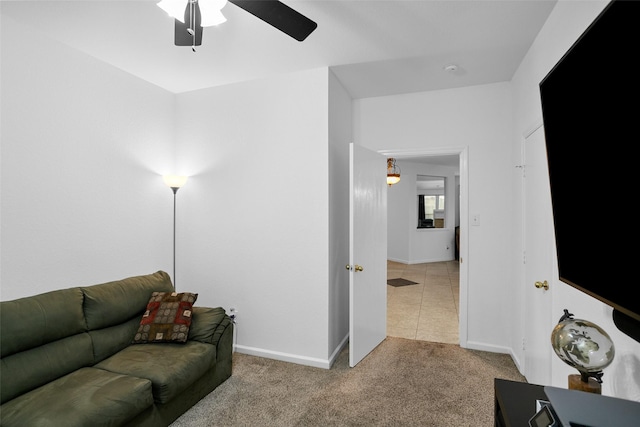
(430,201)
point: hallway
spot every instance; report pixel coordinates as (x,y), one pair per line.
(427,311)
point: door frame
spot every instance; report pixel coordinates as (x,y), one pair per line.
(463,153)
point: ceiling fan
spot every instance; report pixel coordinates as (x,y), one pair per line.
(192,15)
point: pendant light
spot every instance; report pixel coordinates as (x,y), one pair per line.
(393,172)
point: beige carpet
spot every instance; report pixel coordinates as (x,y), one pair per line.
(401,383)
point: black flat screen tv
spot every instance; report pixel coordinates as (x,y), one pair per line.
(591,117)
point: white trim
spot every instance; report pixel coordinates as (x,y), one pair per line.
(473,345)
(419,261)
(489,348)
(336,352)
(285,357)
(463,152)
(537,124)
(423,152)
(295,358)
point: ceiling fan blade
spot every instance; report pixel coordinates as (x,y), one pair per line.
(280,16)
(182,37)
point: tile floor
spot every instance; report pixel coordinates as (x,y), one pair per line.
(427,311)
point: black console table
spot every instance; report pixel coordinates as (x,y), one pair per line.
(515,402)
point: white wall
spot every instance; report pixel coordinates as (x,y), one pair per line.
(254,227)
(83,149)
(260,224)
(83,146)
(477,117)
(565,24)
(406,243)
(340,135)
(399,216)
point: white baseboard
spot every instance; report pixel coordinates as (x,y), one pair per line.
(420,261)
(496,349)
(294,358)
(327,363)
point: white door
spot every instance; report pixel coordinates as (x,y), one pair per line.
(367,252)
(538,238)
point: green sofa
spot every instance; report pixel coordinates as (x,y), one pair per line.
(67,358)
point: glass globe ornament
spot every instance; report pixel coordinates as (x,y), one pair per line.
(582,345)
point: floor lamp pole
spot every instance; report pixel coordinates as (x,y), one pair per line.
(175,191)
(174,182)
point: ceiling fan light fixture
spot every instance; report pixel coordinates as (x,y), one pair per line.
(214,18)
(196,14)
(174,8)
(210,10)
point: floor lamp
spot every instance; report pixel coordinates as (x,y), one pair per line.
(174,182)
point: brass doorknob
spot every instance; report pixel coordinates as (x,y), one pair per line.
(359,267)
(348,267)
(544,285)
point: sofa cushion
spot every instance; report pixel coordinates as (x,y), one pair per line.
(167,318)
(86,397)
(172,368)
(208,324)
(109,341)
(116,302)
(40,319)
(30,369)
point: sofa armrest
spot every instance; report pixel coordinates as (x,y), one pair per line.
(208,324)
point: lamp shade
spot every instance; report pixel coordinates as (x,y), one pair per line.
(393,179)
(175,181)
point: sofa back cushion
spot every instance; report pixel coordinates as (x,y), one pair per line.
(109,341)
(42,337)
(30,369)
(33,321)
(113,310)
(117,302)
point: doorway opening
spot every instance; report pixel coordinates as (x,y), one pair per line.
(441,276)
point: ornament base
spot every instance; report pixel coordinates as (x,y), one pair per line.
(576,383)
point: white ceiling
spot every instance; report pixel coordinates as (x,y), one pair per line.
(375,48)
